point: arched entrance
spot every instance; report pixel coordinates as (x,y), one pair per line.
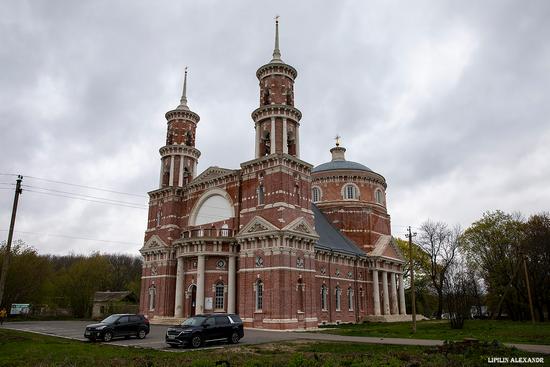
(192,299)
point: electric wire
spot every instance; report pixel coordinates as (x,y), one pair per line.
(83,199)
(72,237)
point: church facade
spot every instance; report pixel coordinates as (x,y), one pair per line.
(282,243)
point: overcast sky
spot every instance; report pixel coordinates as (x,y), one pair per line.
(449,101)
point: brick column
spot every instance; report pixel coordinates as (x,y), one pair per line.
(285,137)
(375,292)
(402,307)
(180,175)
(257,145)
(231,286)
(199,308)
(178,307)
(297,141)
(386,293)
(394,307)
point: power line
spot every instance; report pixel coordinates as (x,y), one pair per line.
(72,237)
(83,195)
(92,201)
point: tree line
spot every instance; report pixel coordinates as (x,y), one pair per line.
(483,270)
(66,281)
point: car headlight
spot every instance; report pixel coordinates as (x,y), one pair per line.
(101,327)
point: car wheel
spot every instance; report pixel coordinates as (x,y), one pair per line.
(141,334)
(108,336)
(196,341)
(234,338)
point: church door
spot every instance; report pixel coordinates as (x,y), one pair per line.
(192,299)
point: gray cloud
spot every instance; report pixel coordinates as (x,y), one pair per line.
(447,100)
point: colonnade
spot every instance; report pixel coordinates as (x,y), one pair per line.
(397,305)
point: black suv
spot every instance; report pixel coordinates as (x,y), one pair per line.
(202,328)
(118,325)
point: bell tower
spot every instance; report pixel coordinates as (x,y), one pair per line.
(277,121)
(179,156)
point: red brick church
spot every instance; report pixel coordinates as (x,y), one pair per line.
(282,243)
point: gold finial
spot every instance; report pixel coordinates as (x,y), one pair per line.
(277,18)
(337,138)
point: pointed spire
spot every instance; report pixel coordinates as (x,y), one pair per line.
(183,100)
(276,51)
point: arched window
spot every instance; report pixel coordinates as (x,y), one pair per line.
(324,293)
(261,194)
(152,296)
(259,295)
(316,194)
(189,138)
(361,305)
(350,299)
(159,215)
(218,303)
(379,196)
(300,295)
(350,192)
(338,293)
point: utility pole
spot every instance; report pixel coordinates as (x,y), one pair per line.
(413,300)
(528,288)
(6,262)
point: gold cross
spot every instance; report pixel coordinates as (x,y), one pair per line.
(337,137)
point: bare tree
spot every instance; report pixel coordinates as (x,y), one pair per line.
(441,244)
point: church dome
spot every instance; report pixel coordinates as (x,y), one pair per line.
(339,162)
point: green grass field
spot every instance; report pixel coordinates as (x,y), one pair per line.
(27,349)
(486,330)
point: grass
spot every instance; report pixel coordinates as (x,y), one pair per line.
(485,330)
(26,349)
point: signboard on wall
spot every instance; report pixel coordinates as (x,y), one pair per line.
(208,303)
(20,308)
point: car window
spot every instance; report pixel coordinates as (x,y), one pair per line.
(193,321)
(209,321)
(135,319)
(110,319)
(123,319)
(222,320)
(235,318)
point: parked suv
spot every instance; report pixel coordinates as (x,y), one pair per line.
(118,325)
(203,328)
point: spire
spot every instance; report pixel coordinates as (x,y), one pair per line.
(183,100)
(276,51)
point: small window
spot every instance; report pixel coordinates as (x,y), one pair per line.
(338,298)
(316,194)
(324,292)
(350,299)
(219,296)
(259,295)
(261,195)
(350,192)
(152,293)
(379,196)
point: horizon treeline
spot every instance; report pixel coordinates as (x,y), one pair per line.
(66,281)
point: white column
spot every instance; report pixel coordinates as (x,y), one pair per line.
(180,176)
(171,181)
(178,307)
(272,135)
(231,280)
(257,155)
(386,293)
(375,292)
(297,141)
(194,173)
(394,306)
(200,285)
(285,137)
(402,307)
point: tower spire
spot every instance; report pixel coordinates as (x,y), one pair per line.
(276,51)
(183,100)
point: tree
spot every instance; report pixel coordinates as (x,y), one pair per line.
(441,245)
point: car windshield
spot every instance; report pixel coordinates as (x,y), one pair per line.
(193,321)
(110,319)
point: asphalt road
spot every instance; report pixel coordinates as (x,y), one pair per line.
(155,338)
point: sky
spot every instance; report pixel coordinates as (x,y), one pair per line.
(448,100)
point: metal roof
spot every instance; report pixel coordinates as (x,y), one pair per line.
(330,238)
(340,165)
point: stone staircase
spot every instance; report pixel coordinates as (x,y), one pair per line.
(166,320)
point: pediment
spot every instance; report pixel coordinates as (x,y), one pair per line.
(387,247)
(211,173)
(154,242)
(257,225)
(300,225)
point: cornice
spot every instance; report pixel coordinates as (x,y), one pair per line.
(276,69)
(179,150)
(276,110)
